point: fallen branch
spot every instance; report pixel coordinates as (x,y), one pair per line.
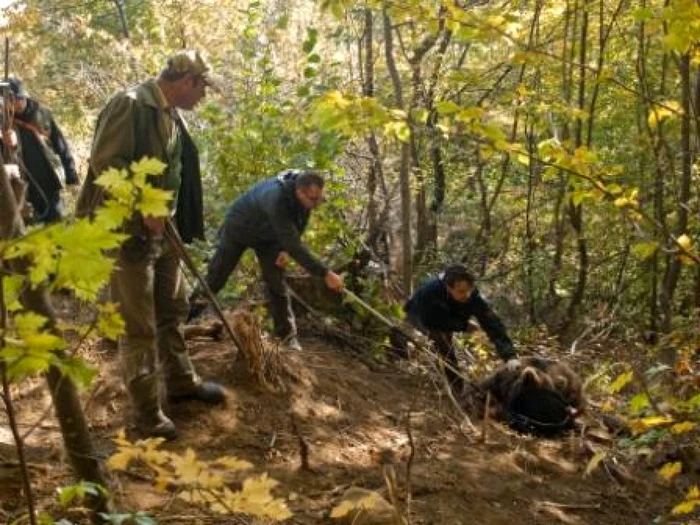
(569,506)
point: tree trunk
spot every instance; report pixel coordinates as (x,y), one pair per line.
(576,211)
(674,268)
(69,412)
(404,166)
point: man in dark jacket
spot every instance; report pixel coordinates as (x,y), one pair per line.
(270,219)
(444,305)
(144,121)
(44,156)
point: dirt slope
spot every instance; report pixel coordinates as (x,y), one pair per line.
(346,412)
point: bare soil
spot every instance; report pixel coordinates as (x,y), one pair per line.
(347,411)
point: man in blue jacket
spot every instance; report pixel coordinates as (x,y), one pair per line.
(444,305)
(270,219)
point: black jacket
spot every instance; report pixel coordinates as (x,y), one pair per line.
(432,308)
(40,138)
(270,215)
(189,215)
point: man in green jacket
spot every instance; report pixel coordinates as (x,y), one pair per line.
(143,121)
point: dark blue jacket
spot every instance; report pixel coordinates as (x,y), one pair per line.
(269,214)
(431,308)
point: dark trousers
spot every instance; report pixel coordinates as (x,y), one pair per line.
(443,344)
(47,208)
(224,261)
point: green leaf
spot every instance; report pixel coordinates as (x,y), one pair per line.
(311,39)
(643,14)
(447,107)
(645,250)
(78,370)
(12,288)
(110,323)
(154,201)
(639,403)
(147,166)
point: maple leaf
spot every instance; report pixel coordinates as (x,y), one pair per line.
(346,506)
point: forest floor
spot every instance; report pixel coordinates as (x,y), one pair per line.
(346,411)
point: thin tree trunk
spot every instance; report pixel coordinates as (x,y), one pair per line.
(674,269)
(576,211)
(530,242)
(119,4)
(423,216)
(435,137)
(372,145)
(558,223)
(404,165)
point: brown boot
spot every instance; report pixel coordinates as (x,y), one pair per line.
(156,424)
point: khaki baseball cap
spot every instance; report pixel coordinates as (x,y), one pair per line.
(190,61)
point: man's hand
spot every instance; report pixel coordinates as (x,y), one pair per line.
(155,225)
(9,138)
(334,282)
(282,260)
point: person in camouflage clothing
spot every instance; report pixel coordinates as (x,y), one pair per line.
(144,121)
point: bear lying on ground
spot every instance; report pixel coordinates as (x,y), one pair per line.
(536,395)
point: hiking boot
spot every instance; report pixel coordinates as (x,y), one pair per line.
(292,344)
(156,425)
(207,392)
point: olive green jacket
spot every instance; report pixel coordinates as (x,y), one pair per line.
(131,126)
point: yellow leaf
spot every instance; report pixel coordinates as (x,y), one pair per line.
(686,507)
(685,242)
(608,406)
(594,462)
(148,166)
(368,502)
(620,382)
(665,110)
(121,459)
(682,428)
(670,470)
(693,493)
(187,467)
(233,463)
(644,424)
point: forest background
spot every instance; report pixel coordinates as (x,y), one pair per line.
(550,146)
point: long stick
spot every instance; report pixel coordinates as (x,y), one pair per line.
(419,344)
(391,324)
(176,242)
